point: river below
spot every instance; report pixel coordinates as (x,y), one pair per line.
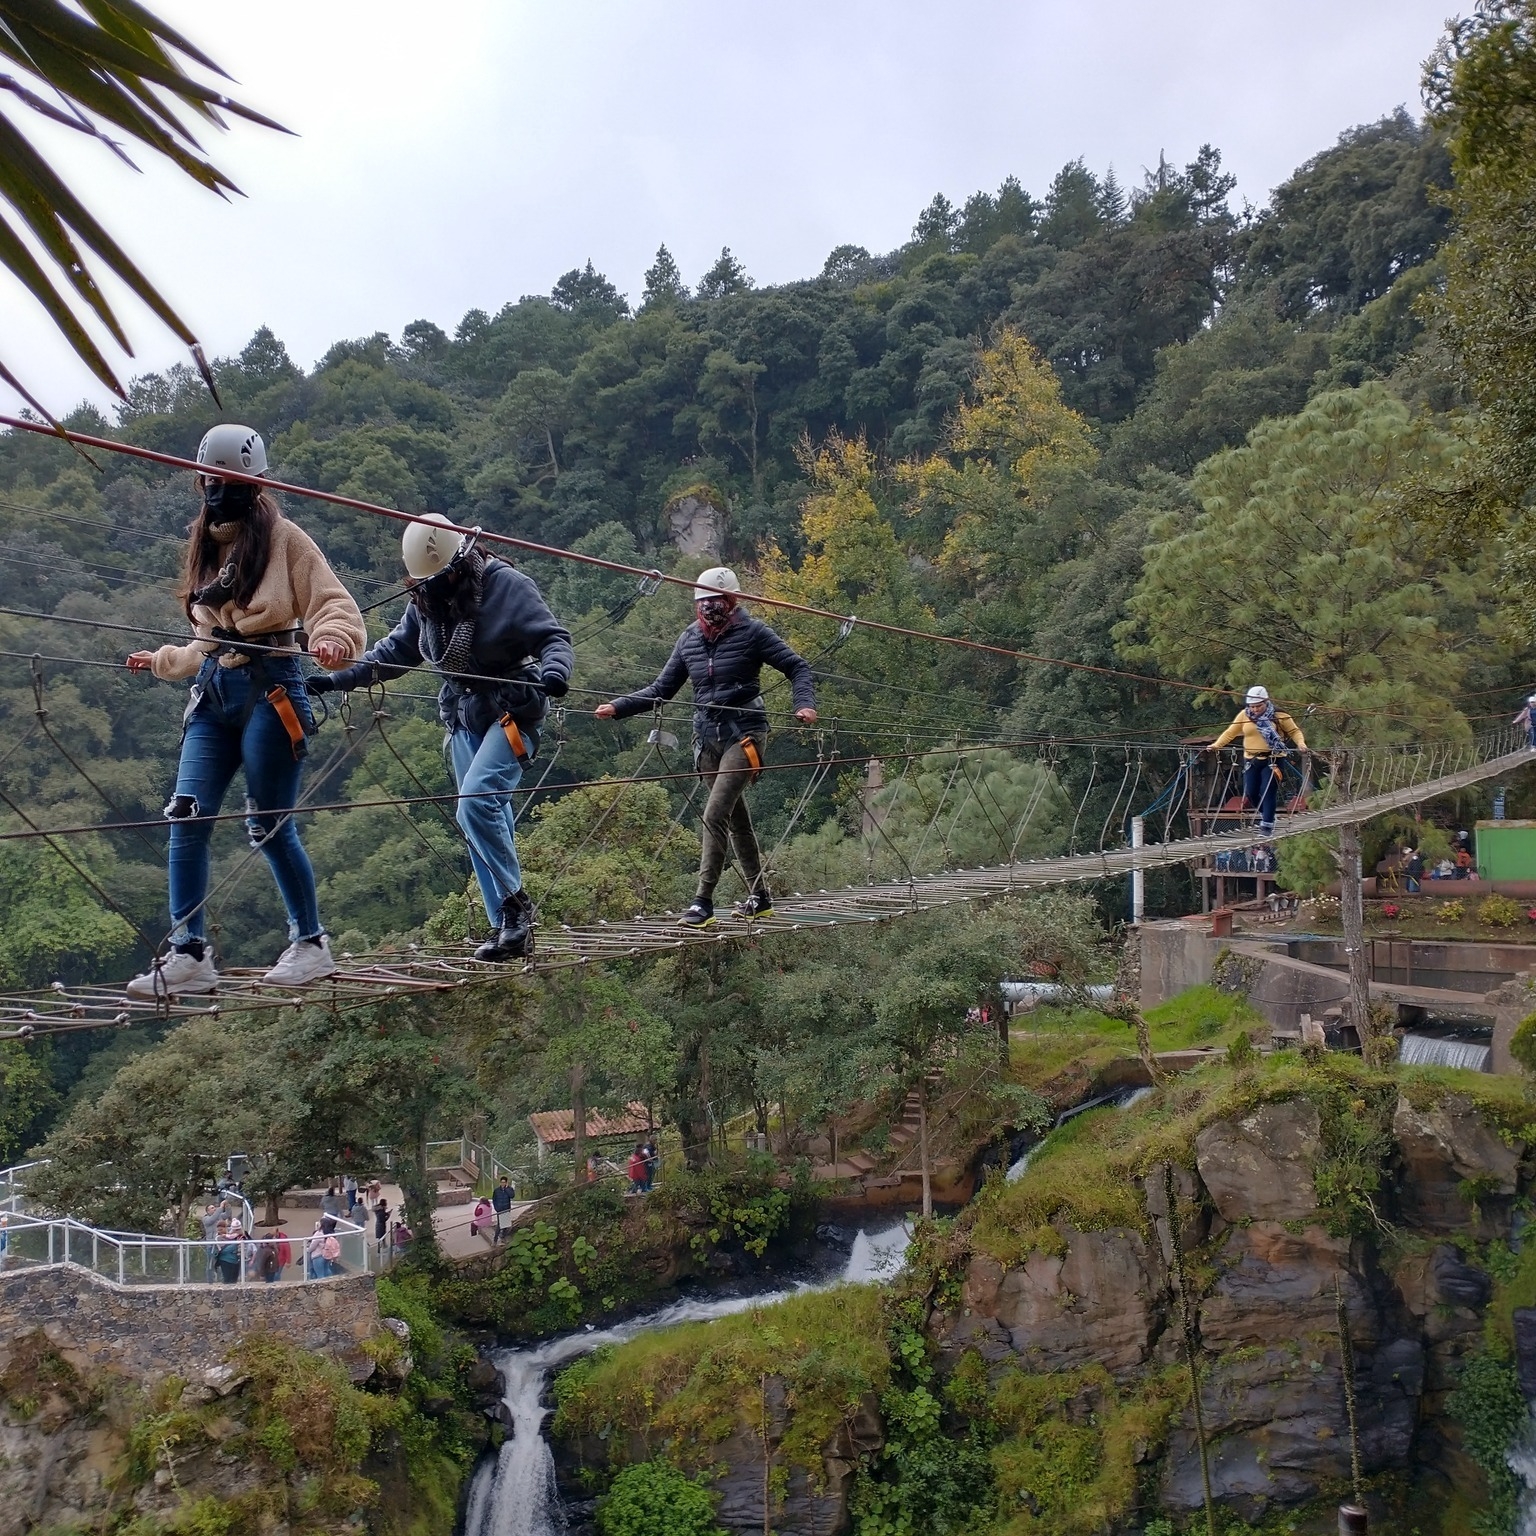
(514,1493)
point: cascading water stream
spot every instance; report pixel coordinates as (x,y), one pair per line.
(515,1494)
(1430,1051)
(1121,1099)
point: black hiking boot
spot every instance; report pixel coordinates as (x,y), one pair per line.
(757,904)
(700,915)
(513,940)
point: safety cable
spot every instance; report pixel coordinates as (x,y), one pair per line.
(172,461)
(1342,756)
(64,854)
(41,714)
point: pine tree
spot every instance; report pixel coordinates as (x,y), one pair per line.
(937,224)
(725,277)
(664,285)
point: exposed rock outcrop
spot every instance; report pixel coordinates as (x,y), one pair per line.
(1096,1304)
(695,524)
(804,1507)
(1260,1167)
(1454,1162)
(1278,1429)
(1275,1284)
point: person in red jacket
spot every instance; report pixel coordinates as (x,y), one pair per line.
(637,1171)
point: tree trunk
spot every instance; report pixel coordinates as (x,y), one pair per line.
(1144,1046)
(922,1143)
(784,1131)
(272,1215)
(579,1120)
(1352,915)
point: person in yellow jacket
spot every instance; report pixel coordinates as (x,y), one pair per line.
(1265,732)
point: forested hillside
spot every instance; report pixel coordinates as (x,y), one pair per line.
(1011,429)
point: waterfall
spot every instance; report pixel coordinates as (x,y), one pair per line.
(1521,1458)
(514,1494)
(1427,1051)
(878,1255)
(1122,1098)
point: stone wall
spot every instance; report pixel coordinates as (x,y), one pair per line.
(149,1331)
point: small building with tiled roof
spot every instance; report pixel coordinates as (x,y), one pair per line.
(556,1128)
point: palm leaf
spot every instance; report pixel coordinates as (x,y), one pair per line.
(15,255)
(107,62)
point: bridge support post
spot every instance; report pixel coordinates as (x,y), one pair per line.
(1138,875)
(1352,915)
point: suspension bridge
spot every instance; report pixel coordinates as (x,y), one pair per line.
(1362,782)
(1365,784)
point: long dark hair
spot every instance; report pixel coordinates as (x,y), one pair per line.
(206,557)
(453,595)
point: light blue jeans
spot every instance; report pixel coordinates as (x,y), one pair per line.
(218,742)
(486,772)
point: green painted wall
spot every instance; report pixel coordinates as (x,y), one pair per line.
(1506,850)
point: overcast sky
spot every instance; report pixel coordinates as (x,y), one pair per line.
(460,155)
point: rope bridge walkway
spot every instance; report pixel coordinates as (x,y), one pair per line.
(1363,785)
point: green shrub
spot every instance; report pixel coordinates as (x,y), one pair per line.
(1523,1045)
(1499,912)
(653,1498)
(1488,1405)
(1451,911)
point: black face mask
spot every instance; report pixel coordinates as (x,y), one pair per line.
(715,610)
(228,500)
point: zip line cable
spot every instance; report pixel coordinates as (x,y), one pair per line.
(550,551)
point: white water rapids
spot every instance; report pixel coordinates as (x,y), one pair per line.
(514,1495)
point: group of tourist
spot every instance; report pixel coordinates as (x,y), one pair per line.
(234,1251)
(260,594)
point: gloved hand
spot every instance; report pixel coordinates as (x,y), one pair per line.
(319,682)
(556,684)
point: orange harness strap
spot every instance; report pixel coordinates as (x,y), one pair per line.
(277,697)
(749,750)
(515,739)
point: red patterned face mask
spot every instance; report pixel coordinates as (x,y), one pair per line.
(714,614)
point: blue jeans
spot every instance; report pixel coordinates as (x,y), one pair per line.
(214,745)
(487,771)
(1261,785)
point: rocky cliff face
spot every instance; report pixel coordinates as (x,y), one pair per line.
(1271,1277)
(1060,1304)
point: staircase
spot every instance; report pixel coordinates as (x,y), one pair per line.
(861,1165)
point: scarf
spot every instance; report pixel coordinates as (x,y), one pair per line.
(712,631)
(1266,727)
(446,642)
(448,648)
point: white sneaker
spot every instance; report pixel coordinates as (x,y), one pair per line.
(175,975)
(302,962)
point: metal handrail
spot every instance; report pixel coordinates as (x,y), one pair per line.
(142,1259)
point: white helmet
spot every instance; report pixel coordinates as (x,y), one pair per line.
(714,581)
(1258,694)
(231,446)
(429,545)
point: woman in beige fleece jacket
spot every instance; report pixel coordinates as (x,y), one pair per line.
(251,581)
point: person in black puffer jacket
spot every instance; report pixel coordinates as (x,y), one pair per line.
(722,654)
(486,627)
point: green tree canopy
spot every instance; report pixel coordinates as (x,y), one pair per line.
(1300,572)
